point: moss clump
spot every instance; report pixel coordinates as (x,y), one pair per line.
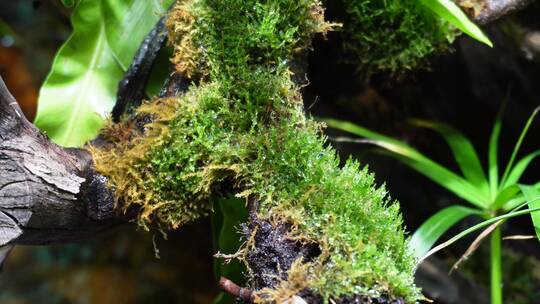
(263,32)
(244,126)
(392,35)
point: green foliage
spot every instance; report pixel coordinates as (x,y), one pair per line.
(450,12)
(81,86)
(244,128)
(393,35)
(432,229)
(127,22)
(522,274)
(490,197)
(264,32)
(532,195)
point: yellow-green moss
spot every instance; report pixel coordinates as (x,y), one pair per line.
(244,128)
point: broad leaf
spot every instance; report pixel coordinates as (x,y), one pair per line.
(463,151)
(81,86)
(411,157)
(433,228)
(450,12)
(532,195)
(127,22)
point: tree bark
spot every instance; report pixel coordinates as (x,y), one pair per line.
(48,194)
(492,10)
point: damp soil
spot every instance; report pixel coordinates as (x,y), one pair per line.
(274,253)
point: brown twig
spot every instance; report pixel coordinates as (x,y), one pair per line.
(236,291)
(475,244)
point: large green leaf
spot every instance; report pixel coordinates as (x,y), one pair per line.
(532,195)
(450,12)
(127,22)
(411,157)
(433,228)
(81,86)
(463,151)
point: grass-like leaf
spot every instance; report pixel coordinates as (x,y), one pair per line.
(532,195)
(433,228)
(411,157)
(504,196)
(476,227)
(517,171)
(463,152)
(518,145)
(450,12)
(493,157)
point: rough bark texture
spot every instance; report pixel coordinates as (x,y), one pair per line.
(495,9)
(47,194)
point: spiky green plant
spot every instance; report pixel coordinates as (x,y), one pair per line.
(494,198)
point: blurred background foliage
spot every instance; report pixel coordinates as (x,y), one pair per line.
(463,88)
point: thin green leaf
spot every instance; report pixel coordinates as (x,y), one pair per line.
(81,86)
(518,145)
(520,167)
(519,201)
(127,22)
(450,12)
(507,194)
(476,227)
(433,228)
(411,157)
(493,156)
(463,151)
(532,195)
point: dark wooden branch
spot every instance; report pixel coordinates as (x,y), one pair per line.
(492,10)
(131,87)
(48,194)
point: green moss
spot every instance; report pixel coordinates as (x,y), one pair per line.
(244,126)
(392,36)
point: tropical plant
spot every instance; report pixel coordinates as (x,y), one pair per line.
(493,197)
